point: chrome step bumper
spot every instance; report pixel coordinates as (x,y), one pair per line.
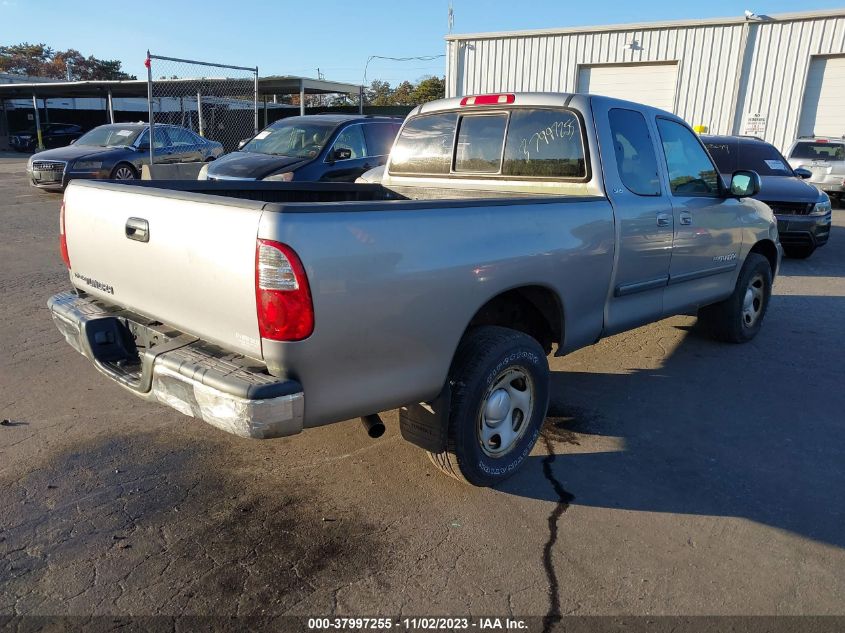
(228,391)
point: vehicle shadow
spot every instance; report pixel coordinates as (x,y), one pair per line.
(753,431)
(826,261)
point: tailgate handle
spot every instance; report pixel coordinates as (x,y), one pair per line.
(138,229)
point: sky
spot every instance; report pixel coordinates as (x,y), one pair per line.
(338,37)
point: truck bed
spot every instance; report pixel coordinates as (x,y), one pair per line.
(288,192)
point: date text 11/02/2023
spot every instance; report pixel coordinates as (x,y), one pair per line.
(415,624)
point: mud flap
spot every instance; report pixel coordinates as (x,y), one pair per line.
(425,424)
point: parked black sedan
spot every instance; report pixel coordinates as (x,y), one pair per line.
(316,147)
(802,210)
(52,135)
(118,151)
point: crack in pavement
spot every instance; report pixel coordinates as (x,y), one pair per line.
(553,615)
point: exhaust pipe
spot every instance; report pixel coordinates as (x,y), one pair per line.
(373,424)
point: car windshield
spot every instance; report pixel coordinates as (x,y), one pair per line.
(110,136)
(755,155)
(291,138)
(818,151)
(762,158)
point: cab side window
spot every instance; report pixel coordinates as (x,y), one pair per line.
(635,157)
(691,172)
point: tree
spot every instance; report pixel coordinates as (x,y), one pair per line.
(39,60)
(404,94)
(25,59)
(429,89)
(379,93)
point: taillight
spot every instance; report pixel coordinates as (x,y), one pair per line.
(487,100)
(282,295)
(63,237)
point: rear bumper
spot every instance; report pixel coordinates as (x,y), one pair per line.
(830,184)
(228,391)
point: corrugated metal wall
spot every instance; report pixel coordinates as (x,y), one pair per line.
(776,71)
(720,78)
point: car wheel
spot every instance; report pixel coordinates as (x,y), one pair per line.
(799,252)
(500,393)
(738,318)
(124,171)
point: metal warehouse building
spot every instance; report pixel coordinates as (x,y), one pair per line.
(776,77)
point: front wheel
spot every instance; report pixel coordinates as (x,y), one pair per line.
(739,318)
(500,394)
(124,172)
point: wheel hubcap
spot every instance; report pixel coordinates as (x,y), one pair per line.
(505,412)
(124,173)
(752,303)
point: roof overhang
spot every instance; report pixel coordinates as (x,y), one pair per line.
(279,85)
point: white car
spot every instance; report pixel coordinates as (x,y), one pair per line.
(372,176)
(824,158)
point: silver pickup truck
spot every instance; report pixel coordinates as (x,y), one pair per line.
(505,227)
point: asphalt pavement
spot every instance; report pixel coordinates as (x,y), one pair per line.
(675,476)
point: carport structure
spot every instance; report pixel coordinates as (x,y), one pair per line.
(267,90)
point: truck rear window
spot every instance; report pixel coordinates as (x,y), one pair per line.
(534,143)
(544,143)
(818,151)
(480,143)
(425,145)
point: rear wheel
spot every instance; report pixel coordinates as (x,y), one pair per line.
(124,171)
(738,318)
(500,393)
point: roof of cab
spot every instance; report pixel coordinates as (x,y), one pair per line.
(537,99)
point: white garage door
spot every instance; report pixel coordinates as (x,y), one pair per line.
(823,109)
(652,84)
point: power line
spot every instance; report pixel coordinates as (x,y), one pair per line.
(422,58)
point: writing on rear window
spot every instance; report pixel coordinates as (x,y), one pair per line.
(557,131)
(544,143)
(538,143)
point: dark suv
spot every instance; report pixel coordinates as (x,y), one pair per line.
(327,147)
(803,211)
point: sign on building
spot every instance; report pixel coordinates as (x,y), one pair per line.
(755,125)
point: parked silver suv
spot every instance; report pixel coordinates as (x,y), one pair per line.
(824,158)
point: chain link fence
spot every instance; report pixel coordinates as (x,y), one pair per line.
(216,101)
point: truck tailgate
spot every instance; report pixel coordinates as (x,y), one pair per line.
(196,271)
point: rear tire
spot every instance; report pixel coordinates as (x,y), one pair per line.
(799,252)
(739,318)
(500,394)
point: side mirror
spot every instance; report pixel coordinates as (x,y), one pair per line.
(144,148)
(243,142)
(803,173)
(745,183)
(341,153)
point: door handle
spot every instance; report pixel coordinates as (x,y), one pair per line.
(685,218)
(662,219)
(138,229)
